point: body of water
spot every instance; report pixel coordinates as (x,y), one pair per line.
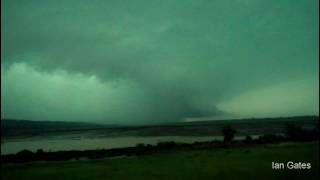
(84,143)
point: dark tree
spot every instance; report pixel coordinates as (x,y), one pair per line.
(228,134)
(293,131)
(248,139)
(40,151)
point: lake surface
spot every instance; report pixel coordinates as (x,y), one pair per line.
(69,142)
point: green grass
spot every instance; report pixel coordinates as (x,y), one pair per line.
(238,163)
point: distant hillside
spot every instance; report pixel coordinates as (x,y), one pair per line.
(297,119)
(23,128)
(26,127)
(213,128)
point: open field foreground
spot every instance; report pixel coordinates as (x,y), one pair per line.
(236,163)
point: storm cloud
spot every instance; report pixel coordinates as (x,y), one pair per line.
(158,61)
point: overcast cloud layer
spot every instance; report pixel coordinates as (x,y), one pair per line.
(146,61)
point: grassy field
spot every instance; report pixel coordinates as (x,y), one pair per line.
(238,163)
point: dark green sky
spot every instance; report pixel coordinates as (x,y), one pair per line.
(158,61)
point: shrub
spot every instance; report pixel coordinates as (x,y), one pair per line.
(140,145)
(25,152)
(270,138)
(166,145)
